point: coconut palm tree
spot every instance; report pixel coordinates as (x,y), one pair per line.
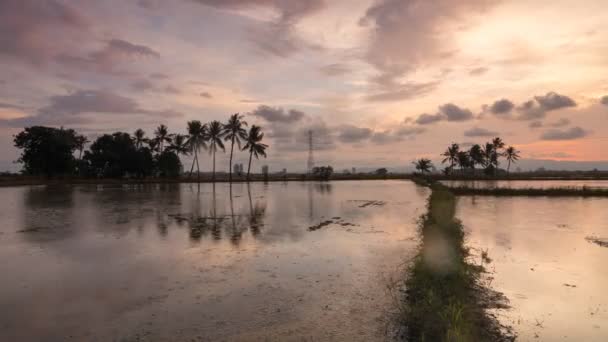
(215,133)
(139,138)
(476,155)
(81,142)
(254,145)
(423,165)
(162,136)
(464,160)
(234,132)
(512,156)
(451,155)
(179,144)
(197,134)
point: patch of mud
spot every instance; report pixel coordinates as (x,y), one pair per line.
(334,220)
(366,203)
(598,241)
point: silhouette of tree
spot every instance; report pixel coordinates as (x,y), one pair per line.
(161,136)
(197,134)
(423,165)
(234,132)
(451,155)
(464,160)
(512,156)
(81,142)
(322,172)
(139,138)
(46,150)
(215,135)
(179,145)
(476,155)
(115,155)
(169,164)
(254,145)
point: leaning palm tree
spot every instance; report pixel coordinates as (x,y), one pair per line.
(215,133)
(179,145)
(512,156)
(254,145)
(162,136)
(234,132)
(451,155)
(423,165)
(139,138)
(197,133)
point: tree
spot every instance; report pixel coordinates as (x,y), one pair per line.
(254,145)
(197,134)
(322,172)
(476,156)
(464,160)
(139,138)
(234,132)
(179,145)
(512,156)
(161,136)
(451,155)
(382,172)
(81,142)
(169,164)
(214,136)
(423,165)
(47,151)
(115,155)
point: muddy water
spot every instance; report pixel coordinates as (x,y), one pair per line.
(518,184)
(545,260)
(292,261)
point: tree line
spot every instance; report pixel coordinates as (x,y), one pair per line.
(48,151)
(486,156)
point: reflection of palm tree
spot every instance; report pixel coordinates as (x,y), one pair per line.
(162,136)
(451,155)
(139,138)
(215,134)
(256,214)
(234,132)
(215,229)
(512,156)
(197,133)
(254,145)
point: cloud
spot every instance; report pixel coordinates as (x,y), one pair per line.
(604,100)
(278,37)
(206,95)
(26,25)
(271,114)
(145,85)
(479,132)
(403,91)
(426,119)
(560,123)
(353,134)
(454,113)
(73,109)
(537,107)
(567,134)
(535,124)
(478,71)
(399,134)
(158,76)
(502,107)
(336,69)
(9,106)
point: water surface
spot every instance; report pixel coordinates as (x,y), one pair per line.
(545,260)
(282,261)
(519,184)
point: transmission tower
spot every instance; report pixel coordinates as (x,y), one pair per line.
(311,161)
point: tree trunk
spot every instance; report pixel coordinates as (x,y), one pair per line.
(230,167)
(213,178)
(198,170)
(249,167)
(193,160)
(509,166)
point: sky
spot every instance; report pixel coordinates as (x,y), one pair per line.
(379,82)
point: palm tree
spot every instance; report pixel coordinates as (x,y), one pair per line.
(254,145)
(139,138)
(81,142)
(451,155)
(464,160)
(234,132)
(423,165)
(512,156)
(476,156)
(215,134)
(197,133)
(179,144)
(162,136)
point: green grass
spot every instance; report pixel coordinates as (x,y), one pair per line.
(550,192)
(443,297)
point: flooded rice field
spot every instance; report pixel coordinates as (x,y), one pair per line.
(172,262)
(524,184)
(549,256)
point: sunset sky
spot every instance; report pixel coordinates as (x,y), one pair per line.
(380,82)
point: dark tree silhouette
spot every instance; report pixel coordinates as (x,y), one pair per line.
(423,165)
(476,155)
(197,135)
(46,150)
(234,131)
(139,138)
(512,156)
(161,136)
(254,145)
(115,155)
(451,155)
(464,160)
(179,145)
(215,135)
